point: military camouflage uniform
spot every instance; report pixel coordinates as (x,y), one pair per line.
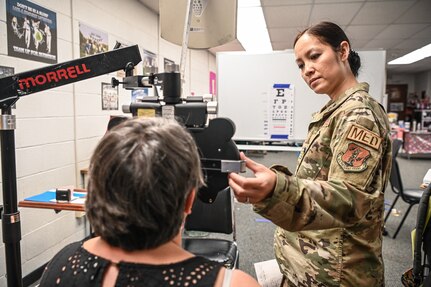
(330,213)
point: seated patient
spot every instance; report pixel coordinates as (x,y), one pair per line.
(143,177)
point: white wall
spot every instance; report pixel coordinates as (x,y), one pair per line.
(423,83)
(58,129)
(417,83)
(408,79)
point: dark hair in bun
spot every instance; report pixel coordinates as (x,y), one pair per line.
(332,34)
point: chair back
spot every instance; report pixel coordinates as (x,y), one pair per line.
(423,238)
(395,177)
(114,121)
(396,146)
(212,217)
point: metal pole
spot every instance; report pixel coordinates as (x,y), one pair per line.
(11,217)
(186,31)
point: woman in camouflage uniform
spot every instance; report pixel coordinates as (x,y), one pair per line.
(329,213)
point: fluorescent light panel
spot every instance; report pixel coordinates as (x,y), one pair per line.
(251,30)
(414,56)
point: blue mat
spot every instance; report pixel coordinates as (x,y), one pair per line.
(49,196)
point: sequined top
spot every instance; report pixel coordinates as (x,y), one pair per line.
(75,266)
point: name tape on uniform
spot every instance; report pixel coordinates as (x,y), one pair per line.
(364,136)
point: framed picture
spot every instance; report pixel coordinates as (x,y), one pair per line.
(139,94)
(149,62)
(6,71)
(31,31)
(91,41)
(109,97)
(396,107)
(166,63)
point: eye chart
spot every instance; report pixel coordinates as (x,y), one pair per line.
(281,109)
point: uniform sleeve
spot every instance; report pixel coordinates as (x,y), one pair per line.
(353,184)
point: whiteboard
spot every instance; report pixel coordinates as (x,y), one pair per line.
(245,83)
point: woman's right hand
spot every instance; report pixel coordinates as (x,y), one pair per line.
(255,189)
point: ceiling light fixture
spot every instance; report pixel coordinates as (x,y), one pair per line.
(412,57)
(251,27)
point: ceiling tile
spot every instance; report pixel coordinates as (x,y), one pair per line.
(381,43)
(384,12)
(280,46)
(414,68)
(388,1)
(413,44)
(358,44)
(395,53)
(287,35)
(418,13)
(331,12)
(284,2)
(338,1)
(401,31)
(425,33)
(363,31)
(286,16)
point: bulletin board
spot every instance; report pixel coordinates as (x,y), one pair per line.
(249,88)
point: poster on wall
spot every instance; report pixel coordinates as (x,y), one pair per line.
(138,95)
(281,109)
(213,84)
(149,60)
(31,31)
(396,107)
(109,97)
(91,41)
(6,71)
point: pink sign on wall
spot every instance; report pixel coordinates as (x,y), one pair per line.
(212,83)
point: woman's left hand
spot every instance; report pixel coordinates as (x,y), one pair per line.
(253,190)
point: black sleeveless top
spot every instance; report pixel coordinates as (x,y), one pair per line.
(75,266)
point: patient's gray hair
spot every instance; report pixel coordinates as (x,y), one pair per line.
(140,174)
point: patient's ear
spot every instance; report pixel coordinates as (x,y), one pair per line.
(189,201)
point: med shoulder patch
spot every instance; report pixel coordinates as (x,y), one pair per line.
(354,159)
(364,136)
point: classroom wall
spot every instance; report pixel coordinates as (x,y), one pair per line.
(58,129)
(423,83)
(416,83)
(408,79)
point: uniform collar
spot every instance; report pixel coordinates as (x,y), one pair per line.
(334,104)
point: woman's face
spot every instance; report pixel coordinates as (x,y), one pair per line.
(323,69)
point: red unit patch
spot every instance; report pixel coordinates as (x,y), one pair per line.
(354,159)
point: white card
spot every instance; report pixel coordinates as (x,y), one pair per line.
(268,273)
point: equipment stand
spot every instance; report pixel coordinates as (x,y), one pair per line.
(11,216)
(11,89)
